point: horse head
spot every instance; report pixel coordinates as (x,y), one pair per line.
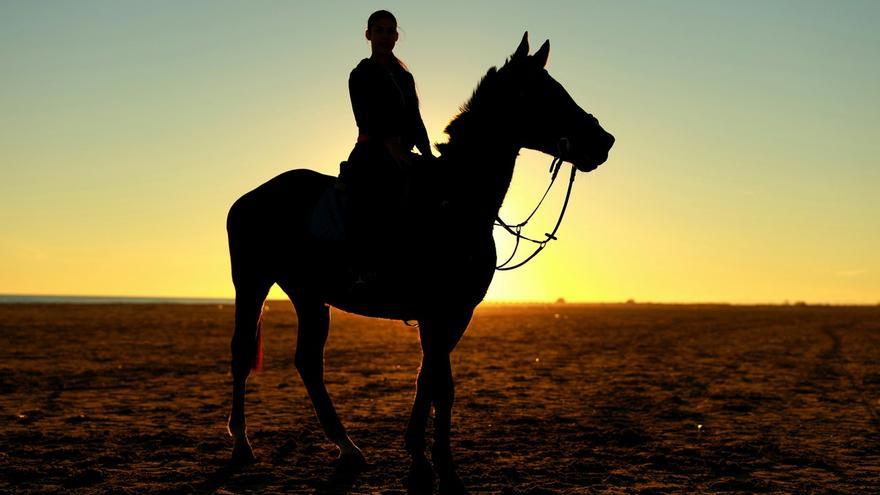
(542,115)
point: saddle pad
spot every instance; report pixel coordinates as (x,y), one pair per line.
(326,221)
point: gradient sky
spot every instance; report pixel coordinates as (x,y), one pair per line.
(745,168)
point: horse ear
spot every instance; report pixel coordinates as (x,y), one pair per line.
(542,54)
(523,49)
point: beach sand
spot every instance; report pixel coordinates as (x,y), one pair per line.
(549,399)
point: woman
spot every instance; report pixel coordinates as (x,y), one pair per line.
(386,108)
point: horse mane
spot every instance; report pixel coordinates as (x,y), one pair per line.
(485,100)
(482,92)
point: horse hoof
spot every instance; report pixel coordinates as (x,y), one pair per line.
(352,461)
(242,455)
(451,485)
(421,477)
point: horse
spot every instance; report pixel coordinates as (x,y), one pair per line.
(446,276)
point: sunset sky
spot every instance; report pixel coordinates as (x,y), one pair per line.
(745,169)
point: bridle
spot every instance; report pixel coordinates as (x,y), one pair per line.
(516,230)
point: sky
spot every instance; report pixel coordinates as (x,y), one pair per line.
(745,167)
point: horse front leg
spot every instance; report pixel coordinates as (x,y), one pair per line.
(442,397)
(421,476)
(435,387)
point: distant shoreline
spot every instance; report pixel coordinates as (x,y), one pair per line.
(61,299)
(37,299)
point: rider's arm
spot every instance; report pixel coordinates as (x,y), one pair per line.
(422,143)
(420,134)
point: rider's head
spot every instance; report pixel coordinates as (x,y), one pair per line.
(382,32)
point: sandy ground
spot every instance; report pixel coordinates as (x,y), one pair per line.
(550,399)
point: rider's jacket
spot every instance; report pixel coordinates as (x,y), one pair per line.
(385,104)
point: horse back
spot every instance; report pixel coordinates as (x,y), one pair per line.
(281,205)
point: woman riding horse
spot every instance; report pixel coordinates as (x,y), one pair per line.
(377,174)
(516,106)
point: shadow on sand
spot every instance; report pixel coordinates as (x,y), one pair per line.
(340,481)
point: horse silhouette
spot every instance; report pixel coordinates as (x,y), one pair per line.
(436,280)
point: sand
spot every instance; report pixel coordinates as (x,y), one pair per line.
(550,400)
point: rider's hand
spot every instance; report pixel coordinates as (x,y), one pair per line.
(400,156)
(425,150)
(402,159)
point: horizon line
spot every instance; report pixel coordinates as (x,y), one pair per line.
(7,298)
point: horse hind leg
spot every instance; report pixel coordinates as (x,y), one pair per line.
(246,353)
(313,327)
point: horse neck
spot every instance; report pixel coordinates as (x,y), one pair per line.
(483,161)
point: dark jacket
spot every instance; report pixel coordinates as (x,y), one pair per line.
(385,104)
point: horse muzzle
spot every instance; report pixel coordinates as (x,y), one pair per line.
(589,159)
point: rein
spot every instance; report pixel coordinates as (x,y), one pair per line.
(516,230)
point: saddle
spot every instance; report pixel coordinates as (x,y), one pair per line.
(419,236)
(355,207)
(354,210)
(380,229)
(327,220)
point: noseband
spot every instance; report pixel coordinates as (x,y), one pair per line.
(516,230)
